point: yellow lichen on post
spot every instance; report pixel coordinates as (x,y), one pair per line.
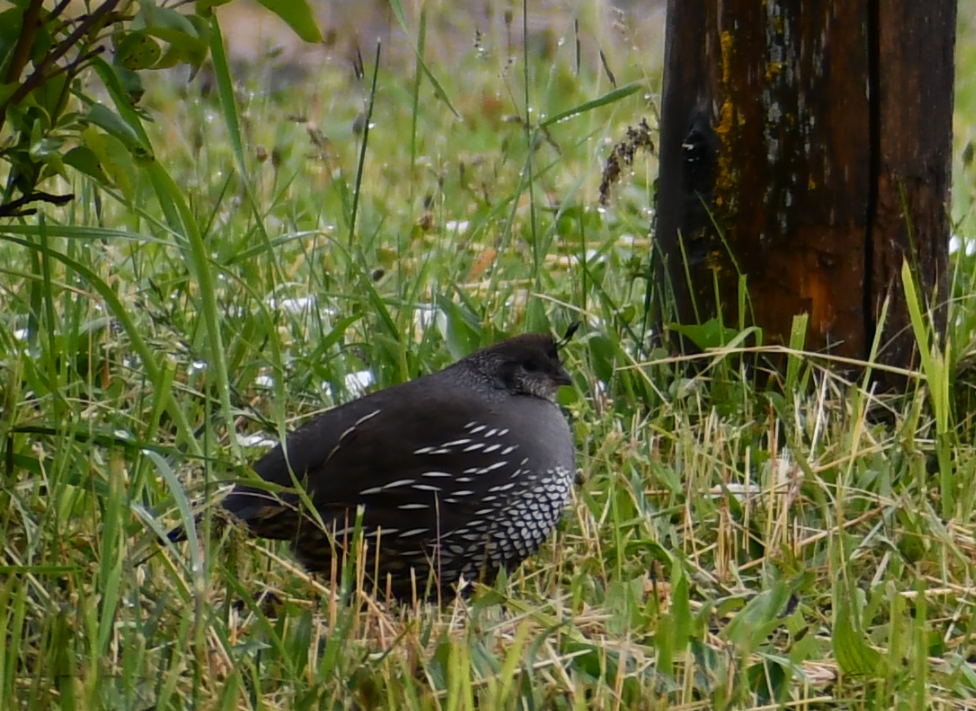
(773,70)
(725,179)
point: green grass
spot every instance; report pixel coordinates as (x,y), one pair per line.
(727,547)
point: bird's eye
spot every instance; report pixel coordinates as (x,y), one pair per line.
(530,366)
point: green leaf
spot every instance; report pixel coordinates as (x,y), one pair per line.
(114,159)
(118,82)
(298,15)
(750,627)
(706,335)
(131,83)
(798,333)
(163,19)
(770,679)
(106,119)
(11,22)
(50,96)
(138,51)
(102,116)
(204,8)
(608,98)
(188,37)
(460,328)
(7,90)
(183,48)
(602,357)
(83,158)
(44,148)
(42,45)
(182,504)
(853,654)
(53,165)
(680,606)
(674,628)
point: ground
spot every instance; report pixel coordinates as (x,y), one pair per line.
(727,547)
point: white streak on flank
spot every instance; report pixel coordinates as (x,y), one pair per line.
(397,483)
(410,507)
(476,430)
(490,433)
(471,424)
(456,443)
(437,474)
(492,467)
(465,492)
(425,487)
(492,448)
(370,416)
(474,447)
(412,532)
(424,450)
(509,450)
(502,433)
(373,490)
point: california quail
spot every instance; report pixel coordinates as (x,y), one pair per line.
(463,472)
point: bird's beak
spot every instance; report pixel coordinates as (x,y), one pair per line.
(562,376)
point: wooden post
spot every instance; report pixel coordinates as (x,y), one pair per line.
(806,144)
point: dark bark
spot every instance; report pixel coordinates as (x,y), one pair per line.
(806,144)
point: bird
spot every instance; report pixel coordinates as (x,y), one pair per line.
(457,475)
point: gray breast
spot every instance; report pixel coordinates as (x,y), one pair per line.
(524,498)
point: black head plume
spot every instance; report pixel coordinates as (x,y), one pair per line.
(570,332)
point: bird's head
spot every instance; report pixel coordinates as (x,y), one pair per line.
(525,365)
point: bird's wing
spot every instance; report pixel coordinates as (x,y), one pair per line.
(422,460)
(417,462)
